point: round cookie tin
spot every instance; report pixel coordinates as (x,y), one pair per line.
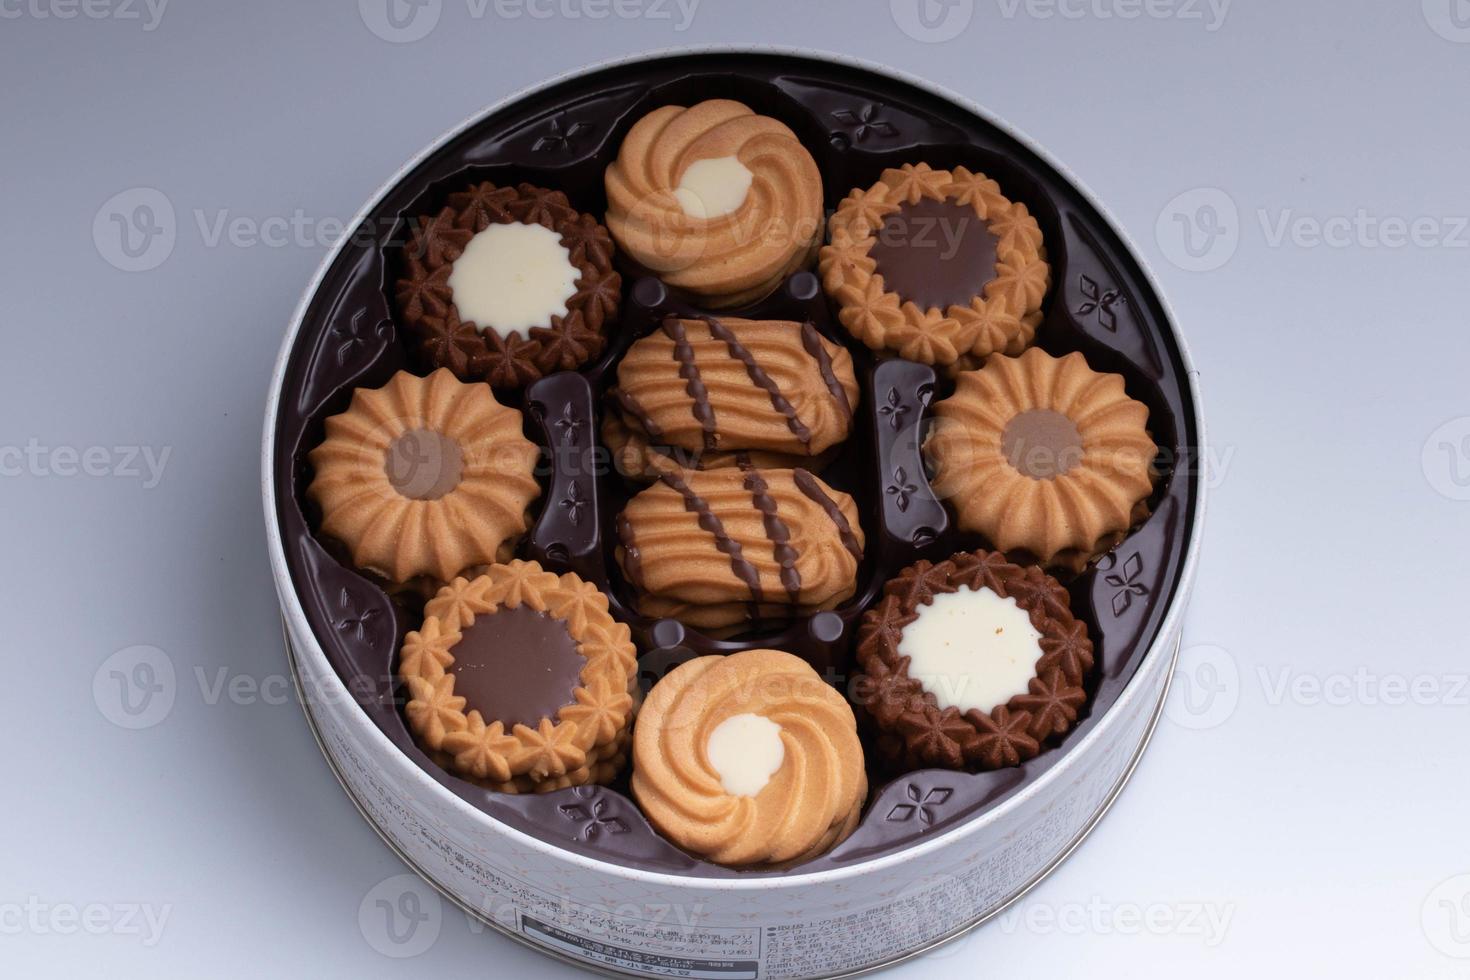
(578,873)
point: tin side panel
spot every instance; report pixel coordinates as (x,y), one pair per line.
(612,920)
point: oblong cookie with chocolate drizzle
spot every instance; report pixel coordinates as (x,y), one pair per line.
(721,547)
(699,390)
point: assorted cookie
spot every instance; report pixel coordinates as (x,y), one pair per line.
(509,284)
(971,663)
(1044,457)
(716,200)
(424,478)
(699,392)
(936,266)
(723,548)
(521,680)
(749,760)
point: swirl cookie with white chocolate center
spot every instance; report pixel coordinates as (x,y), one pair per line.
(715,200)
(793,789)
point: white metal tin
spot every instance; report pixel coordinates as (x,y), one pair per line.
(631,922)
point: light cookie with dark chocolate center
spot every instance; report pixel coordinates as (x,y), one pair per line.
(520,680)
(937,266)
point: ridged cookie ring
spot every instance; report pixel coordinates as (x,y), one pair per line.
(424,477)
(1048,459)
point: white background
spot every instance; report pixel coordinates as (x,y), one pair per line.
(1295,815)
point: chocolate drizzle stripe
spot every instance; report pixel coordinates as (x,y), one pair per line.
(776,532)
(811,341)
(709,521)
(704,412)
(808,485)
(760,379)
(632,558)
(636,412)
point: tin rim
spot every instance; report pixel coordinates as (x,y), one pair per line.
(1168,630)
(960,932)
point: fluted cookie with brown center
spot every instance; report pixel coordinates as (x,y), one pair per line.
(424,478)
(716,200)
(971,663)
(508,284)
(749,760)
(719,548)
(936,265)
(698,391)
(520,680)
(1048,459)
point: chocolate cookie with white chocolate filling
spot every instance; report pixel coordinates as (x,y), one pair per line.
(722,548)
(508,284)
(971,663)
(699,392)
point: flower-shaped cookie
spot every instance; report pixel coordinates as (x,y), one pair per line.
(971,663)
(521,680)
(715,200)
(424,477)
(1045,457)
(508,284)
(936,265)
(749,760)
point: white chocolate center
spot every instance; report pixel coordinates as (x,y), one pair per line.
(972,649)
(713,187)
(745,750)
(513,277)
